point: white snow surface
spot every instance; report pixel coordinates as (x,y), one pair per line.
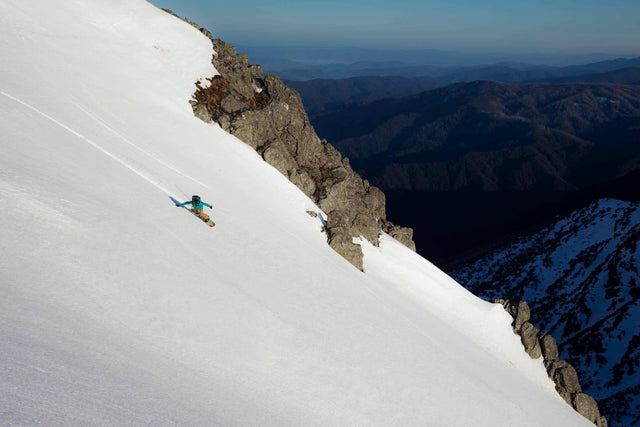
(116,308)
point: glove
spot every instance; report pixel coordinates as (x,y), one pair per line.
(210,207)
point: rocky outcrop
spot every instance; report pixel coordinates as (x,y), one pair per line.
(403,235)
(522,316)
(549,347)
(541,344)
(529,335)
(587,406)
(263,112)
(581,273)
(339,239)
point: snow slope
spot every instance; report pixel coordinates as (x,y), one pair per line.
(116,308)
(581,277)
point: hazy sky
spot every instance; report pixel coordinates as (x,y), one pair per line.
(497,26)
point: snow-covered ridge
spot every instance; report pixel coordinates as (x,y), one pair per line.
(116,308)
(581,277)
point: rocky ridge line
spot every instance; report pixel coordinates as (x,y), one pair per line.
(540,343)
(263,112)
(582,275)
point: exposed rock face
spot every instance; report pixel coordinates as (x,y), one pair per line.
(261,111)
(549,347)
(529,335)
(587,407)
(520,313)
(562,373)
(567,379)
(338,238)
(403,235)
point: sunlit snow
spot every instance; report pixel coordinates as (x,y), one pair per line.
(116,308)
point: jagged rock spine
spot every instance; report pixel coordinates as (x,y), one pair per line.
(542,344)
(269,116)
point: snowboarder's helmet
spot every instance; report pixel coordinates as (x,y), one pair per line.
(196,200)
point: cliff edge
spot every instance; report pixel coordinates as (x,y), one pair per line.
(263,112)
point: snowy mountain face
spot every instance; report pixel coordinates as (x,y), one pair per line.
(581,278)
(117,308)
(267,115)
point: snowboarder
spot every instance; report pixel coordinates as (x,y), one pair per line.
(197,206)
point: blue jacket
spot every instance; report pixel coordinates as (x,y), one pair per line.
(197,207)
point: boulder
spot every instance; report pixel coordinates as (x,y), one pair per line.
(363,207)
(403,235)
(343,245)
(512,309)
(566,378)
(523,314)
(340,239)
(529,336)
(553,365)
(549,347)
(587,407)
(201,112)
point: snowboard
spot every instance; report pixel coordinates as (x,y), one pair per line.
(209,222)
(206,221)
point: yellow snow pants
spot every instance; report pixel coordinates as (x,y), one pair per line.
(201,214)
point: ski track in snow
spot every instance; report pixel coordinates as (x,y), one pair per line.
(126,140)
(89,141)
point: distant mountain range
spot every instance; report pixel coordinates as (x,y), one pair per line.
(507,73)
(630,76)
(570,125)
(510,153)
(308,62)
(581,278)
(326,94)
